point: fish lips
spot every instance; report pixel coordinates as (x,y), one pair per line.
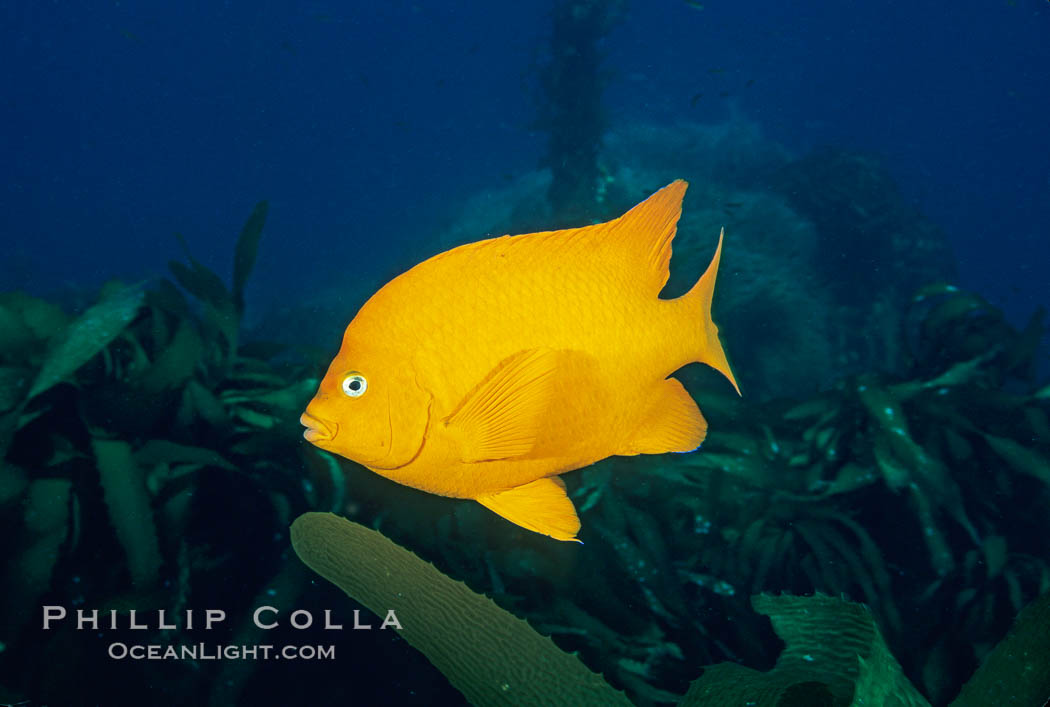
(317,430)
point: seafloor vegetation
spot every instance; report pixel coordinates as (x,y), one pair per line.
(885,506)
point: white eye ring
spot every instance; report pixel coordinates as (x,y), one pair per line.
(355,385)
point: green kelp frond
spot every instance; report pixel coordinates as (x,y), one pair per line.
(88,335)
(13,383)
(25,323)
(835,655)
(246,250)
(176,360)
(224,307)
(124,490)
(488,654)
(220,313)
(44,530)
(1023,459)
(1017,672)
(122,431)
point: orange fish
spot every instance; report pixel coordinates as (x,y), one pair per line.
(489,369)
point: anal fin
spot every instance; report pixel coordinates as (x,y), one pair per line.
(674,423)
(541,506)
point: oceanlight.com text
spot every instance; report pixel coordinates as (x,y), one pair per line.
(213,651)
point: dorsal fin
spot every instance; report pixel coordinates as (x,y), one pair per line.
(645,234)
(639,241)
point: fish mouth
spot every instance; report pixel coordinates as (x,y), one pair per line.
(317,430)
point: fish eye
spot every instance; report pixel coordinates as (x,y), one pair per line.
(355,385)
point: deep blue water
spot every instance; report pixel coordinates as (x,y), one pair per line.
(363,123)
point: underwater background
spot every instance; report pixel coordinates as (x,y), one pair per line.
(198,197)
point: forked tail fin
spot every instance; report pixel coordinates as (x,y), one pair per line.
(710,350)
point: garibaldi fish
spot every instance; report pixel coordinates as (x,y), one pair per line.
(490,369)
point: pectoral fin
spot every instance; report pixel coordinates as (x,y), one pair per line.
(541,506)
(501,417)
(673,423)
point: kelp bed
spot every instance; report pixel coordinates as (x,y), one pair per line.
(152,458)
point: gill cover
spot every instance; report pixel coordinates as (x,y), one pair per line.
(408,414)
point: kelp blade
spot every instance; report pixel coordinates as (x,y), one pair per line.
(88,335)
(834,653)
(487,653)
(247,248)
(1017,671)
